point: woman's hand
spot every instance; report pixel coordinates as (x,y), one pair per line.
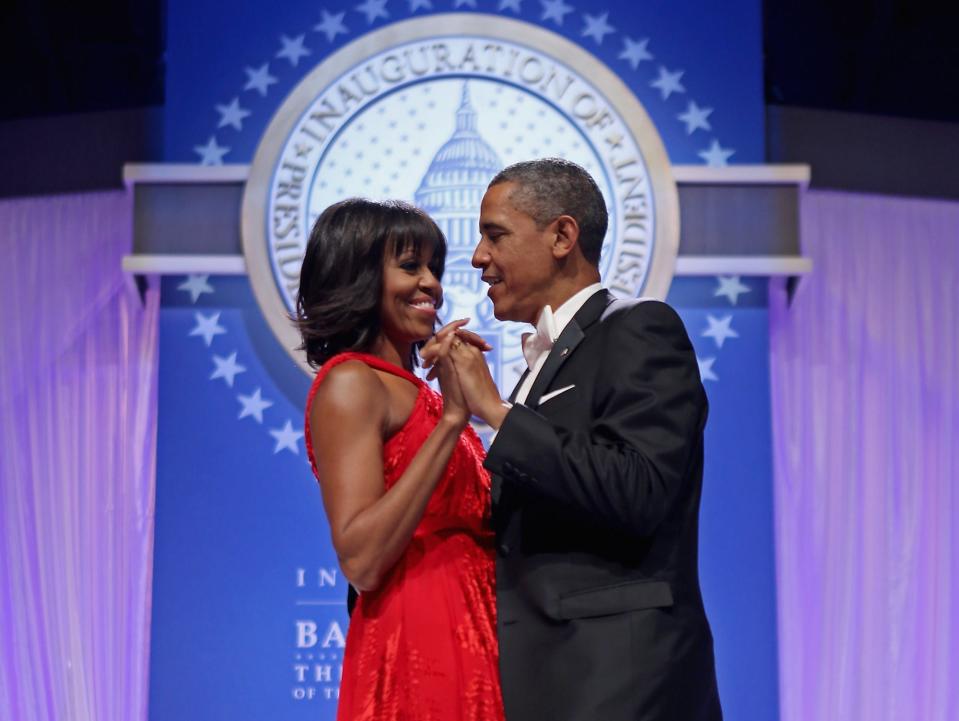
(428,353)
(455,409)
(476,384)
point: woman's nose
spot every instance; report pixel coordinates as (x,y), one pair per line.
(429,281)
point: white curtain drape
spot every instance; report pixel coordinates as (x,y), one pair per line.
(77,462)
(866,426)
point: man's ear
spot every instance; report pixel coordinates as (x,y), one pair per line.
(567,236)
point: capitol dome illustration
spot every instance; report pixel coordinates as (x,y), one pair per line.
(451,192)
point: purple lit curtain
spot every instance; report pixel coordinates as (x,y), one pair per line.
(78,355)
(866,425)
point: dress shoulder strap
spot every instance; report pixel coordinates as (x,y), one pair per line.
(370,360)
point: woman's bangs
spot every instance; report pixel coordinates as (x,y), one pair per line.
(417,233)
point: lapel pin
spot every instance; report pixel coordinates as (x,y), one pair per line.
(565,352)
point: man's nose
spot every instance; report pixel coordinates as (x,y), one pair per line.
(480,257)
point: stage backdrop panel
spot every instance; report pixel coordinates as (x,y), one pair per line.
(248,613)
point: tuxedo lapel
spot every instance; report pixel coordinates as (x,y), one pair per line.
(562,349)
(572,336)
(519,384)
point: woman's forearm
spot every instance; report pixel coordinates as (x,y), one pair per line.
(370,543)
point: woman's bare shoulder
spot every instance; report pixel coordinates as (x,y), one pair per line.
(350,386)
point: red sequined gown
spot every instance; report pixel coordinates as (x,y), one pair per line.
(422,647)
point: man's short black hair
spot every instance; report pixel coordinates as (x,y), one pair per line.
(550,187)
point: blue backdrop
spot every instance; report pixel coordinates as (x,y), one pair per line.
(705,53)
(248,615)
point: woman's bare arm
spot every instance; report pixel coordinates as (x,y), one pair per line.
(371,526)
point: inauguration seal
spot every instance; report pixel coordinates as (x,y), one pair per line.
(428,110)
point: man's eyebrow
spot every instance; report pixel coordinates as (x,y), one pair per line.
(490,225)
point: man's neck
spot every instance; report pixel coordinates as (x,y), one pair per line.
(564,317)
(563,292)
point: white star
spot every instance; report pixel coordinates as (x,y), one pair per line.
(373,9)
(596,27)
(555,10)
(420,4)
(232,114)
(731,287)
(293,49)
(331,25)
(253,405)
(695,118)
(706,369)
(286,438)
(635,51)
(259,79)
(716,156)
(227,368)
(668,83)
(513,5)
(207,327)
(461,3)
(719,329)
(197,285)
(211,153)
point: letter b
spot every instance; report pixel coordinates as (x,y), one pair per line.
(306,634)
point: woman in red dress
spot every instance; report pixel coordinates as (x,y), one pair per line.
(400,470)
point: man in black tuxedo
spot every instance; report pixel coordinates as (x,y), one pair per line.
(597,470)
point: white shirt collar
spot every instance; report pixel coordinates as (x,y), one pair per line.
(564,314)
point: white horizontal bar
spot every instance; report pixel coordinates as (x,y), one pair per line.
(184,264)
(184,173)
(742,175)
(685,265)
(684,174)
(743,265)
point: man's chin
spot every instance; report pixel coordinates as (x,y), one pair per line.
(511,314)
(503,311)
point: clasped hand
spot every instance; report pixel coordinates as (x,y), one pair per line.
(455,356)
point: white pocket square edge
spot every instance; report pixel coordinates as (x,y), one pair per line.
(552,394)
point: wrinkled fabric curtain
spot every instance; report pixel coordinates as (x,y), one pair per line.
(865,364)
(78,359)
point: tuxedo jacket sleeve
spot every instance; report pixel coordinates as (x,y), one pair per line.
(625,463)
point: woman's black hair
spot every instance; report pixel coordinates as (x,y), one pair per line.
(341,281)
